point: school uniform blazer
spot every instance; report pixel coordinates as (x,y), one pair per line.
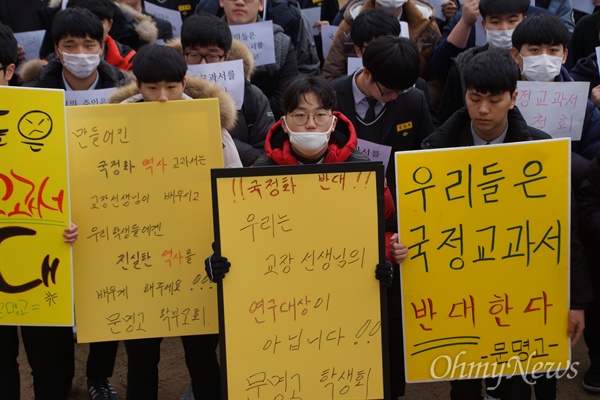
(406,121)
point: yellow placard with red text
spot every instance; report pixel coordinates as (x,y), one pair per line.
(141,196)
(35,263)
(485,288)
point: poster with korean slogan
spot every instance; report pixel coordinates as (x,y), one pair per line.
(486,285)
(141,193)
(36,285)
(301,312)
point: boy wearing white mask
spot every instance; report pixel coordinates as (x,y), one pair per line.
(77,62)
(500,18)
(540,50)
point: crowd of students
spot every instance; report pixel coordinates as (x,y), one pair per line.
(430,89)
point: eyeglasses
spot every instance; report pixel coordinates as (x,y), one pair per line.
(196,58)
(320,118)
(394,92)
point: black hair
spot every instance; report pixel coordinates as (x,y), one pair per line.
(492,71)
(8,46)
(302,85)
(155,63)
(371,24)
(76,22)
(104,9)
(498,7)
(541,29)
(205,30)
(393,62)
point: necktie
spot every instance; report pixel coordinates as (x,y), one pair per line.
(370,115)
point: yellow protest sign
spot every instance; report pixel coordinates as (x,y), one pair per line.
(35,263)
(300,308)
(141,196)
(485,287)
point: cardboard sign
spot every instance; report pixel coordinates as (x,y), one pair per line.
(301,303)
(485,289)
(36,285)
(141,179)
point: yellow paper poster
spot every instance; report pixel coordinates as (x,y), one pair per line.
(485,289)
(141,194)
(300,307)
(35,263)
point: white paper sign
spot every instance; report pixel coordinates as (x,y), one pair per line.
(313,15)
(87,97)
(259,38)
(354,64)
(327,35)
(598,58)
(404,31)
(31,43)
(557,108)
(375,152)
(587,6)
(64,4)
(228,74)
(174,17)
(437,5)
(480,36)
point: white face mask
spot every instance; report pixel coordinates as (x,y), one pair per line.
(391,4)
(542,68)
(500,39)
(81,65)
(309,143)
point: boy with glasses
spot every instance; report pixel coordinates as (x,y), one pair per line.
(207,39)
(387,110)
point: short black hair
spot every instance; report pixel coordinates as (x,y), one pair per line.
(499,7)
(373,23)
(492,71)
(155,63)
(76,22)
(393,61)
(541,29)
(104,9)
(302,85)
(8,46)
(205,30)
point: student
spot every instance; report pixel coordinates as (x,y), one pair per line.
(312,132)
(8,55)
(386,110)
(207,39)
(399,116)
(371,24)
(160,73)
(490,117)
(589,204)
(50,350)
(272,78)
(115,53)
(540,50)
(421,24)
(77,62)
(165,29)
(500,17)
